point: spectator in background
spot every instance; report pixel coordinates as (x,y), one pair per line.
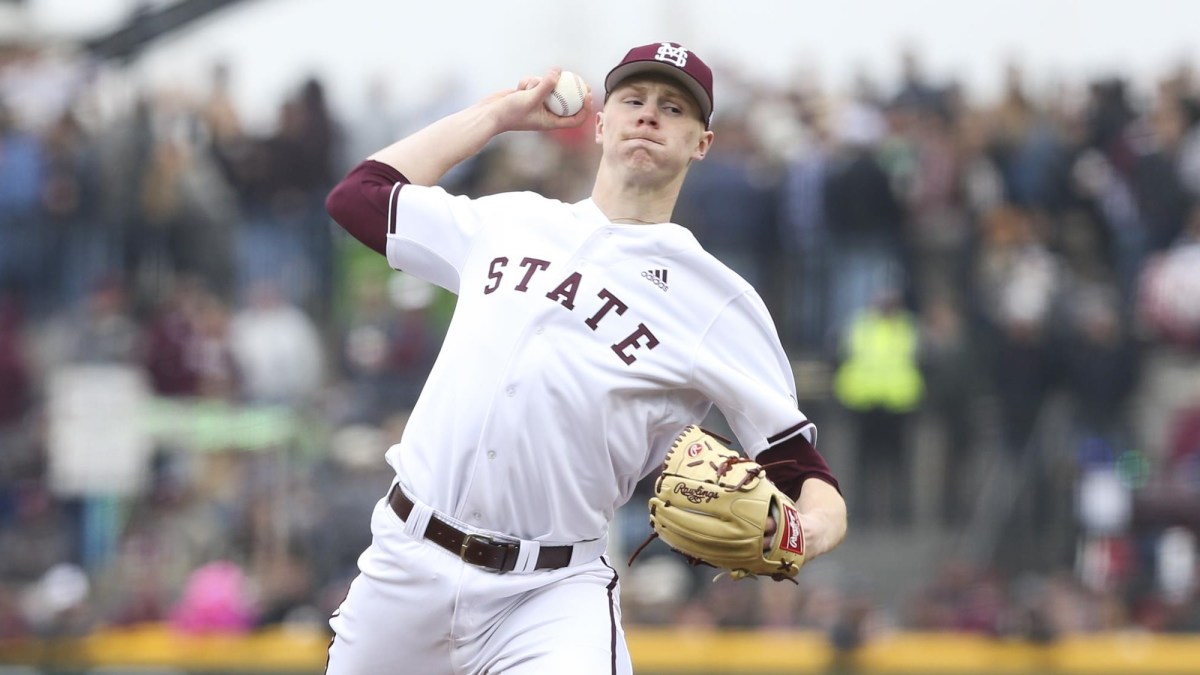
(1100,366)
(864,219)
(1162,195)
(1020,284)
(123,143)
(1023,144)
(186,214)
(951,372)
(276,349)
(1169,284)
(316,136)
(70,202)
(729,187)
(216,599)
(880,383)
(19,454)
(388,347)
(915,92)
(280,181)
(16,378)
(22,240)
(1017,283)
(1105,175)
(307,147)
(186,350)
(218,112)
(940,228)
(804,235)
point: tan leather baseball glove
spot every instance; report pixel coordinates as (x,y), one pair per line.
(711,504)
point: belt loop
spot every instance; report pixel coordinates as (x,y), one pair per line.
(418,520)
(527,558)
(587,551)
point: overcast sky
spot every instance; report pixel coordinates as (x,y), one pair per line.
(490,44)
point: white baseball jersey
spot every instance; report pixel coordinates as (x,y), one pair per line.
(578,351)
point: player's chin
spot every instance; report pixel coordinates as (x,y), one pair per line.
(651,161)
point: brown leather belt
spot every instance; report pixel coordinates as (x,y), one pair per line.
(479,549)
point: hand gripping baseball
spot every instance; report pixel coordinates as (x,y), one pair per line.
(522,109)
(713,506)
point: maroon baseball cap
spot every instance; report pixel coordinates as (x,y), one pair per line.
(674,61)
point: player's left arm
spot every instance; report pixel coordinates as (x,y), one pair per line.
(822,517)
(742,367)
(800,472)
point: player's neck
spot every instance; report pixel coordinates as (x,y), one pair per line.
(632,204)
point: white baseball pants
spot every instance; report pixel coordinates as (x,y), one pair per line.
(416,608)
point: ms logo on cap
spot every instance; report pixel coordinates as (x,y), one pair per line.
(673,53)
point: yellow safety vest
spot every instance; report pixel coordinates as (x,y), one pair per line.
(880,370)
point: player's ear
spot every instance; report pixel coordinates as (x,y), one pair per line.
(703,145)
(599,127)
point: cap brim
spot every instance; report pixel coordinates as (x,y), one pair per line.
(627,70)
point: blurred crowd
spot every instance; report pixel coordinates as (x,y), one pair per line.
(993,308)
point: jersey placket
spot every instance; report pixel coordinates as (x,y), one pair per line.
(509,411)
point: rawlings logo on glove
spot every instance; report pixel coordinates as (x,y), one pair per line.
(712,506)
(695,495)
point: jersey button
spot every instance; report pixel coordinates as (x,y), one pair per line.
(491,454)
(511,390)
(540,330)
(476,516)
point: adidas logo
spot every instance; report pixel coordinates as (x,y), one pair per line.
(659,277)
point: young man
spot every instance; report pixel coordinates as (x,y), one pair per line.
(585,337)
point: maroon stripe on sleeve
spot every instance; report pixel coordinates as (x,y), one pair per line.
(788,432)
(361,202)
(799,461)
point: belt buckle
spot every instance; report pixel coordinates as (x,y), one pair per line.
(481,538)
(507,547)
(462,551)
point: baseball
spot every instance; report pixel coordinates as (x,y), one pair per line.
(568,96)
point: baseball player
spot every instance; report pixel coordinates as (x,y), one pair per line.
(585,337)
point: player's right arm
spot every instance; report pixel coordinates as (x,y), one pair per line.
(426,156)
(361,202)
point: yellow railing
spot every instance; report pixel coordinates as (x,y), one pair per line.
(676,650)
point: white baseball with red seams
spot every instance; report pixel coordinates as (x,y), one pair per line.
(568,95)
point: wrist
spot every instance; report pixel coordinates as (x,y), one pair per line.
(823,532)
(814,538)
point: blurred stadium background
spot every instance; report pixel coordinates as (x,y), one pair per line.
(199,373)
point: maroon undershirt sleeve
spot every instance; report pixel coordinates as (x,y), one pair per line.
(799,462)
(359,203)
